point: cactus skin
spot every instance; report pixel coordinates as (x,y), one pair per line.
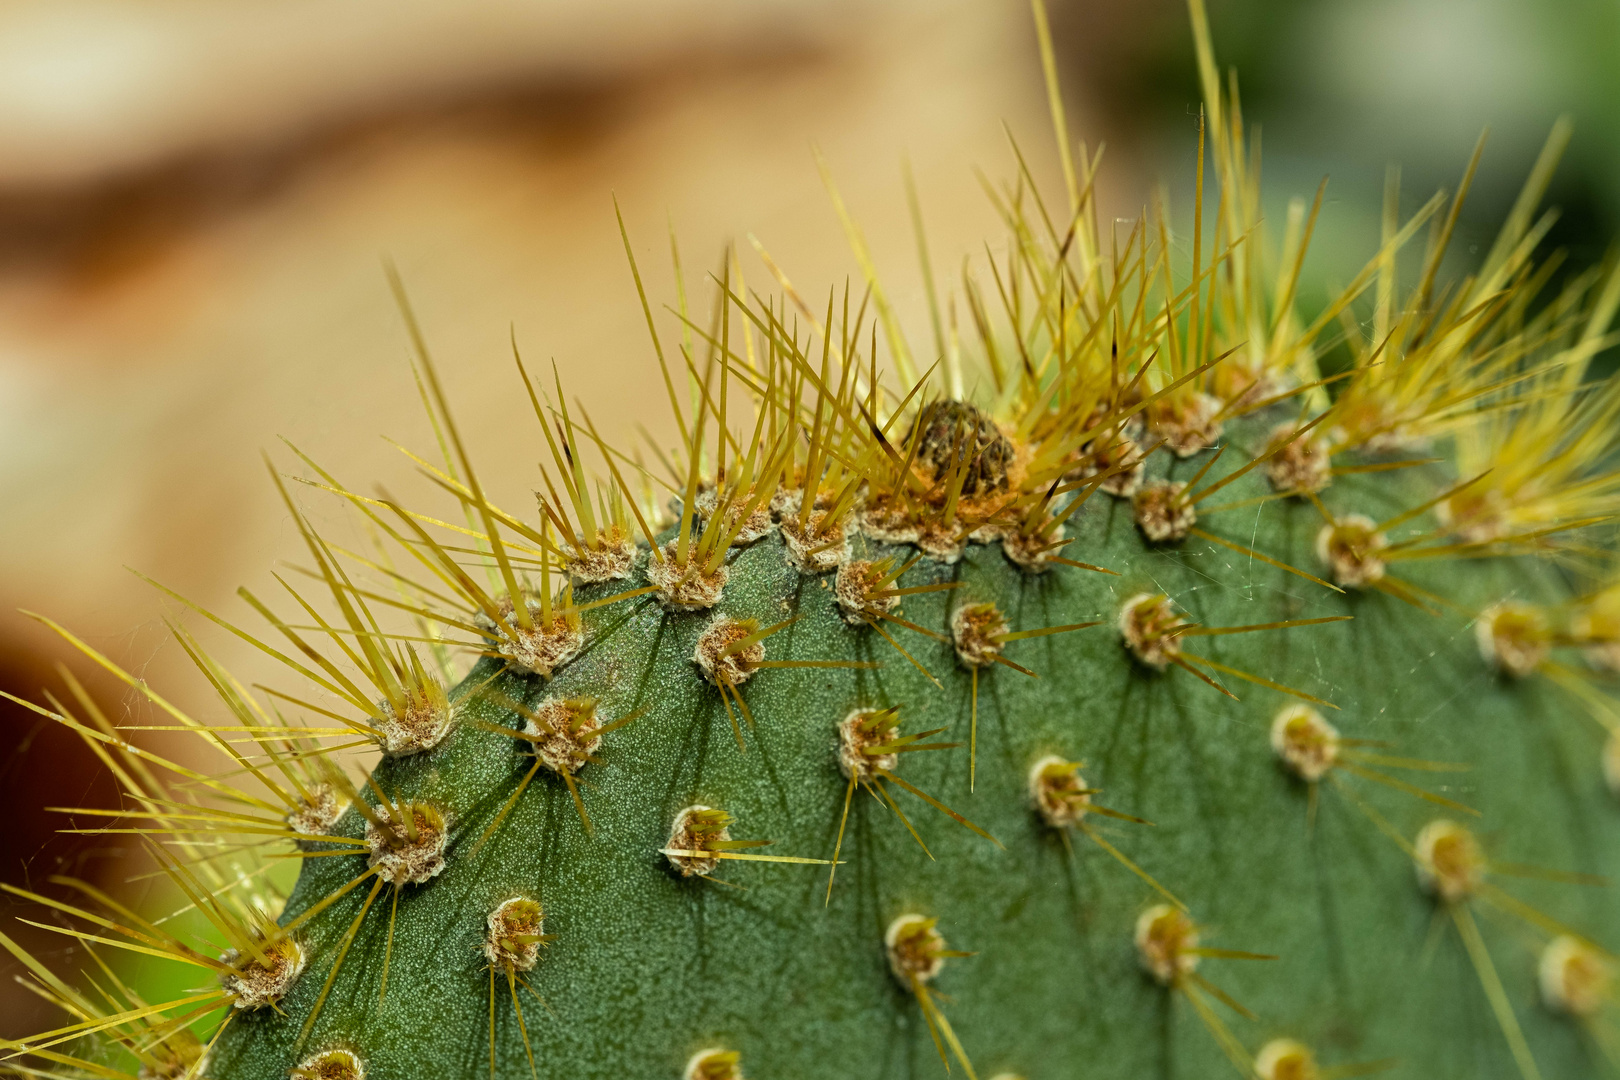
(648,968)
(1304,899)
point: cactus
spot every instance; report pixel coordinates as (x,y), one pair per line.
(872,734)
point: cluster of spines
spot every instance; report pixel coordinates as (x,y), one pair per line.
(1105,359)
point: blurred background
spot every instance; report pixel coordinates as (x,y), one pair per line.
(196,197)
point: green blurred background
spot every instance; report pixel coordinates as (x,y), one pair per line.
(1342,88)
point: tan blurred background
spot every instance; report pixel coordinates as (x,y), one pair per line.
(196,196)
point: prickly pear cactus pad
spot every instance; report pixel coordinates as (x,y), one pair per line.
(1161,708)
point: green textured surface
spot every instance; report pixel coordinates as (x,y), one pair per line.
(648,968)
